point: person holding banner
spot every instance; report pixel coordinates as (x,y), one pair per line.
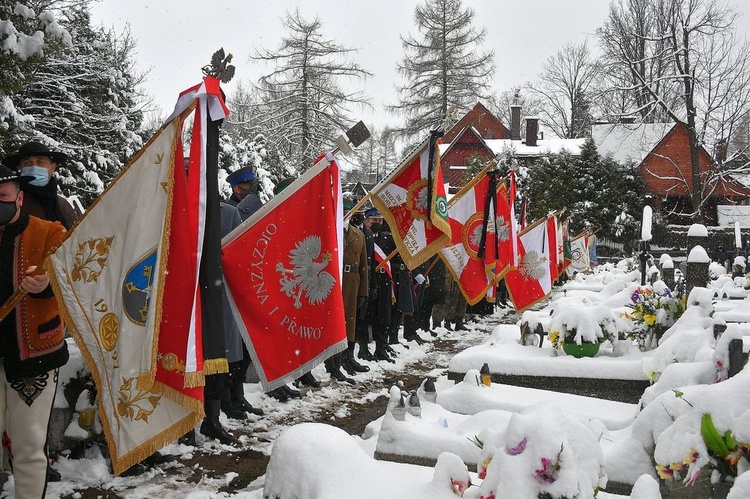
(354,284)
(33,349)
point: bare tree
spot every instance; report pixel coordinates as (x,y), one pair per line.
(304,95)
(566,89)
(684,60)
(443,66)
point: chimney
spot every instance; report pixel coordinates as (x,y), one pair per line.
(515,118)
(532,128)
(721,151)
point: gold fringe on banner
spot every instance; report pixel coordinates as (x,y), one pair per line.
(215,366)
(195,379)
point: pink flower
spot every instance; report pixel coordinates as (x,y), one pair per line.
(513,451)
(491,496)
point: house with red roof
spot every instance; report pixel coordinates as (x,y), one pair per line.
(661,154)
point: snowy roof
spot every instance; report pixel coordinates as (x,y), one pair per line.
(521,150)
(628,142)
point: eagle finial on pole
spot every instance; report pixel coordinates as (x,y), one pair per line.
(220,67)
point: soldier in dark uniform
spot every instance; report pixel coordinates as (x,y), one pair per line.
(245,191)
(382,297)
(433,294)
(362,221)
(413,306)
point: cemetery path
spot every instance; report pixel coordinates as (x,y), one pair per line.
(350,408)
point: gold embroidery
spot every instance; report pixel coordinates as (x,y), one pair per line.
(91,253)
(170,362)
(109,331)
(130,400)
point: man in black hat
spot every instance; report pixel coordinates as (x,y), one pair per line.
(32,337)
(36,160)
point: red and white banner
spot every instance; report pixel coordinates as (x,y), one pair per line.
(283,278)
(415,209)
(553,247)
(579,261)
(513,224)
(475,274)
(111,277)
(531,281)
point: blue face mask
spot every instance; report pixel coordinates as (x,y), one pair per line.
(40,174)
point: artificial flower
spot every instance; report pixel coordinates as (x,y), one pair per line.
(664,472)
(513,451)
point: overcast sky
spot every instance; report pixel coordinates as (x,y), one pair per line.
(177,37)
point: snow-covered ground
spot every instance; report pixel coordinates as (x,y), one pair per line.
(487,440)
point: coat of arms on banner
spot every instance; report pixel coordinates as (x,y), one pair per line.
(307,276)
(533,266)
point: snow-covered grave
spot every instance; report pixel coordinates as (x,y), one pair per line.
(595,308)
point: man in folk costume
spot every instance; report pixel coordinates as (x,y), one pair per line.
(36,160)
(354,284)
(42,200)
(32,343)
(381,300)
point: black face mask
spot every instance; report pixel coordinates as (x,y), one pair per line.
(376,226)
(8,210)
(357,219)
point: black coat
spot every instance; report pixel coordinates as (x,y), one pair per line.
(382,288)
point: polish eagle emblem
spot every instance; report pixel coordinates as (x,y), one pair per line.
(503,228)
(533,266)
(307,277)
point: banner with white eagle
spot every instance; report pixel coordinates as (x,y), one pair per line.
(472,254)
(283,278)
(531,282)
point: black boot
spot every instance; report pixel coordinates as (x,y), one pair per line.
(460,325)
(188,438)
(211,426)
(348,368)
(237,394)
(278,394)
(308,379)
(232,411)
(293,394)
(364,353)
(381,351)
(349,356)
(335,370)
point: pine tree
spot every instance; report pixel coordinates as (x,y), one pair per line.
(305,101)
(443,67)
(81,99)
(598,193)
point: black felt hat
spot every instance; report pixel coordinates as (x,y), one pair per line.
(33,148)
(8,175)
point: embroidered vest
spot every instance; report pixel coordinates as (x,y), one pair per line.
(39,327)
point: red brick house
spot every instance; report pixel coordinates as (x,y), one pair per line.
(661,153)
(480,135)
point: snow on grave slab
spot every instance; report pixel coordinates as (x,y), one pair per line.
(468,397)
(317,460)
(504,354)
